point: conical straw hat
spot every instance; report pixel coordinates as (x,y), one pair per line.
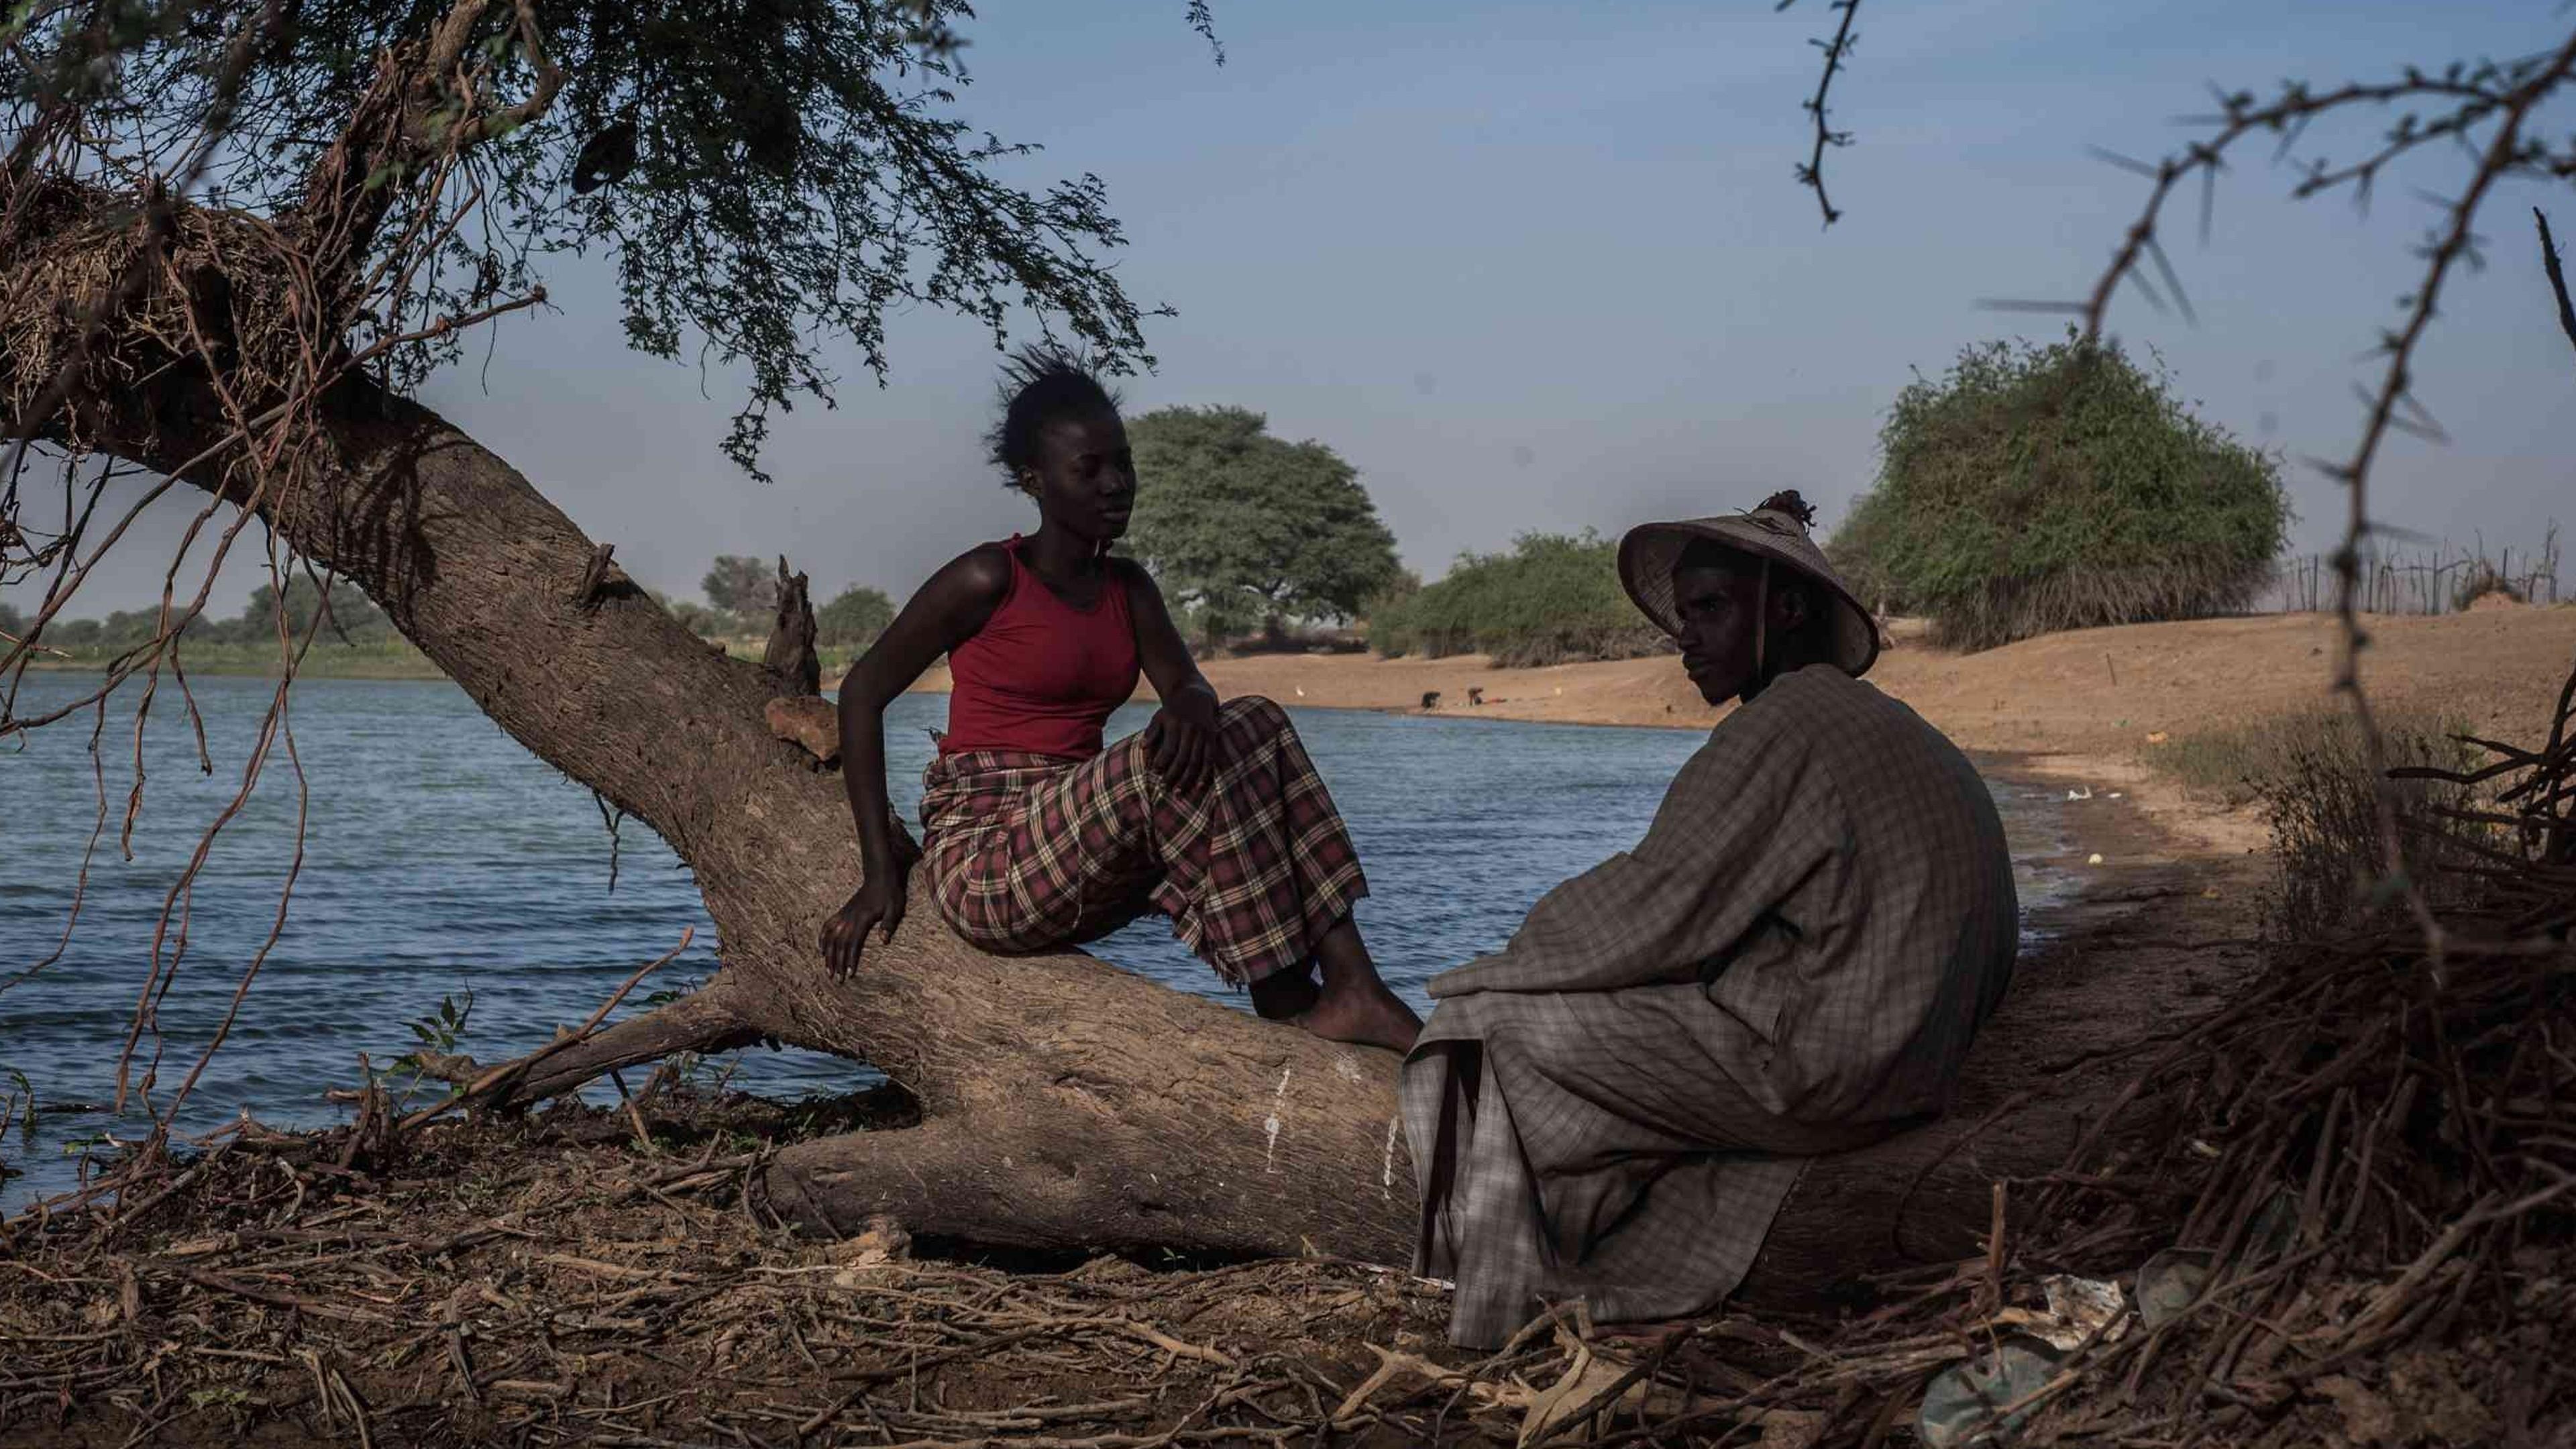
(1647,554)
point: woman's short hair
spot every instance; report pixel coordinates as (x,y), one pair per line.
(1042,384)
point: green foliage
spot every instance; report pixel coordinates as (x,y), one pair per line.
(437,1035)
(20,1106)
(353,622)
(1243,529)
(742,586)
(856,616)
(771,178)
(2061,487)
(442,1029)
(352,618)
(1550,600)
(1858,552)
(697,618)
(12,623)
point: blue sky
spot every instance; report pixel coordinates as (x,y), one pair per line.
(1546,267)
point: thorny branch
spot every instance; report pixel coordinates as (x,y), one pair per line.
(2501,95)
(1837,50)
(2549,264)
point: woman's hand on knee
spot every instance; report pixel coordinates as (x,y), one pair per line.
(876,905)
(1181,742)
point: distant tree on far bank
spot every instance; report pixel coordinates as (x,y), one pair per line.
(744,587)
(855,616)
(354,618)
(2034,489)
(1243,530)
(1550,600)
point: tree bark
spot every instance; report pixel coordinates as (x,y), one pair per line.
(1065,1103)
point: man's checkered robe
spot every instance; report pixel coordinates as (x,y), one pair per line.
(1792,962)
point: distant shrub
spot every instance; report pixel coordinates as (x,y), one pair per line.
(1381,618)
(1858,552)
(856,616)
(353,621)
(2483,579)
(2325,831)
(2034,489)
(1550,600)
(2309,775)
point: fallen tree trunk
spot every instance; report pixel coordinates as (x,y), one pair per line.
(1064,1103)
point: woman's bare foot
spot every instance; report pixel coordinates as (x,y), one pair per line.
(1285,995)
(1365,1013)
(1355,1005)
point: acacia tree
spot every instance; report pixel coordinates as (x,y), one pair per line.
(741,585)
(1246,528)
(234,234)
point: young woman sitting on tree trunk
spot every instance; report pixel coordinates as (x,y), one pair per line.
(1036,837)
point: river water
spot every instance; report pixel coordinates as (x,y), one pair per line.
(441,858)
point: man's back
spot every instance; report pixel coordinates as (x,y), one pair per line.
(1882,959)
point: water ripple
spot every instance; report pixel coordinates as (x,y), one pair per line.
(442,858)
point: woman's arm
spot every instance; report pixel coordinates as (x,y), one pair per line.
(945,613)
(1182,739)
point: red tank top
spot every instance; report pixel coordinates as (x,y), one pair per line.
(1041,676)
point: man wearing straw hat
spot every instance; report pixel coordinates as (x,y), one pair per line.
(1792,962)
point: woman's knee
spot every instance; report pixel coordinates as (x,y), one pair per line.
(1256,712)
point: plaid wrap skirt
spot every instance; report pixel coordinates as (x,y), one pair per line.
(1032,853)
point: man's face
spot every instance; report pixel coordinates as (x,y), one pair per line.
(1716,606)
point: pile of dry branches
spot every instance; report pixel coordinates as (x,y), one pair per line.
(569,1281)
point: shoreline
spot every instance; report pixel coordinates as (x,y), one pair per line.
(2084,708)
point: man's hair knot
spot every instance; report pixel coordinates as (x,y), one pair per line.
(1787,501)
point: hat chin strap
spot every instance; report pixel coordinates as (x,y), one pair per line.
(1761,615)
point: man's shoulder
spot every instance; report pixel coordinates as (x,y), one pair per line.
(1844,724)
(1795,704)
